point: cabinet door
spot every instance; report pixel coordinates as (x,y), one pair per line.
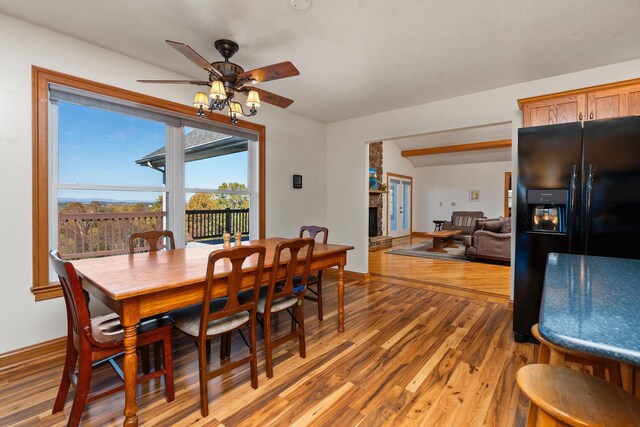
(617,102)
(552,111)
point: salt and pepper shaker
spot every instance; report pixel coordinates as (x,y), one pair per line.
(238,237)
(226,240)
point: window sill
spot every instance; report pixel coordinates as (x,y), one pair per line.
(53,290)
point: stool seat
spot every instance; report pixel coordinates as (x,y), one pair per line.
(577,399)
(556,355)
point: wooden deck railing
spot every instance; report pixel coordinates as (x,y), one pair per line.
(208,224)
(89,235)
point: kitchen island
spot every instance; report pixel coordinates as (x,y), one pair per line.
(591,304)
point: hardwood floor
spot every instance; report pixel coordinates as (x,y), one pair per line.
(489,279)
(409,356)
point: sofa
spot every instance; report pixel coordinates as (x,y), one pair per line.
(464,221)
(491,239)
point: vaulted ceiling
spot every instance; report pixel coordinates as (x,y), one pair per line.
(359,57)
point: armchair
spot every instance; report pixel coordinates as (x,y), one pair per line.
(484,243)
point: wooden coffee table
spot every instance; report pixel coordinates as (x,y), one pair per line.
(442,239)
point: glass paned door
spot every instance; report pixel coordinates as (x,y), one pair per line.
(399,218)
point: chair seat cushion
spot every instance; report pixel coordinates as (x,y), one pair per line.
(278,304)
(188,319)
(107,329)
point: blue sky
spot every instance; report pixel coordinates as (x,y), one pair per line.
(100,147)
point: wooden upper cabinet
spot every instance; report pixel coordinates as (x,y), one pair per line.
(616,102)
(552,111)
(598,102)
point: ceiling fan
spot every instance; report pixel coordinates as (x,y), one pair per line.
(227,78)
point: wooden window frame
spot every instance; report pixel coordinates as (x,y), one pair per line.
(40,80)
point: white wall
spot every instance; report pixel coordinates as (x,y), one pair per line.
(295,144)
(346,141)
(451,184)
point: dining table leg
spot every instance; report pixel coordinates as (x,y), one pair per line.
(341,298)
(129,320)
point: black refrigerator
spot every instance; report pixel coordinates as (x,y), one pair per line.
(578,191)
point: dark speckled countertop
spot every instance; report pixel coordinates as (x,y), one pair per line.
(592,304)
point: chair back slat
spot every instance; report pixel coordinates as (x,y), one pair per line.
(313,231)
(294,247)
(236,257)
(152,238)
(74,296)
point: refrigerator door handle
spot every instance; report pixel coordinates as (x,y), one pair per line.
(573,172)
(587,208)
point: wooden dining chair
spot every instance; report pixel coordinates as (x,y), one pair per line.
(152,238)
(280,295)
(221,316)
(93,342)
(314,279)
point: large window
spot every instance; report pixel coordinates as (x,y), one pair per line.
(118,162)
(98,193)
(220,201)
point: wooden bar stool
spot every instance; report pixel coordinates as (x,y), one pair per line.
(556,355)
(562,396)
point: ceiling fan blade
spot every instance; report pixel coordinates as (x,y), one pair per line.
(193,56)
(193,82)
(269,97)
(271,72)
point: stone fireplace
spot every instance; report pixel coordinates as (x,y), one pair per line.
(376,201)
(373,221)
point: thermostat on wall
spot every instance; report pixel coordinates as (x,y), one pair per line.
(297,181)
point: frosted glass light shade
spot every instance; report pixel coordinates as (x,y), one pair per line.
(201,100)
(217,91)
(253,99)
(235,110)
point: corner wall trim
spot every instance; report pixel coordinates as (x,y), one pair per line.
(31,352)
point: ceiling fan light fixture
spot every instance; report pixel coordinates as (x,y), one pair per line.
(218,91)
(253,99)
(201,100)
(227,78)
(235,111)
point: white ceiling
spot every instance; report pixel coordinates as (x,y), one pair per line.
(468,135)
(359,57)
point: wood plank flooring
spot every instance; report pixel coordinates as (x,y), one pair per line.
(491,279)
(409,356)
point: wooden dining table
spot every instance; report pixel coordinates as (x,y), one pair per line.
(146,284)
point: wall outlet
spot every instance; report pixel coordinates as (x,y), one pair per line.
(453,203)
